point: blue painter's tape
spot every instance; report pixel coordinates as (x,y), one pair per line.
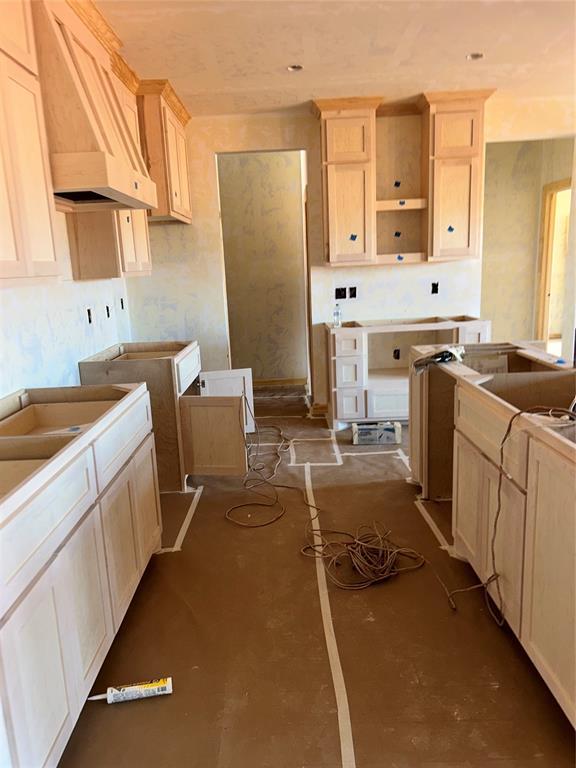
(560,361)
(397,233)
(396,183)
(450,228)
(402,202)
(399,257)
(353,236)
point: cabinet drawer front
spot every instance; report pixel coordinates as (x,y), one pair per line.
(386,405)
(484,422)
(350,404)
(29,537)
(115,446)
(187,368)
(348,344)
(350,371)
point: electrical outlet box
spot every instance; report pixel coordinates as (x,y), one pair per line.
(435,287)
(352,292)
(340,293)
(396,354)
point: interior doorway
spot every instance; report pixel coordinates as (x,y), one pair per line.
(556,199)
(263,213)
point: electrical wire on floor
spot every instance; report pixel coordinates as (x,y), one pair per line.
(564,417)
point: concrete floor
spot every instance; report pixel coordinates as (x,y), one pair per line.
(235,619)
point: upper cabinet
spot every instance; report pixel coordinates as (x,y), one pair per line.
(403,183)
(17,34)
(26,205)
(163,118)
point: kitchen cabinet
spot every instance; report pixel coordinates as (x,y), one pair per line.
(456,204)
(163,119)
(26,204)
(549,588)
(35,653)
(17,33)
(458,133)
(147,501)
(349,139)
(350,226)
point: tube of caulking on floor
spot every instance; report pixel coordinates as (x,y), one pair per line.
(133,691)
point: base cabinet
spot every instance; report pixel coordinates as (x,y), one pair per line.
(549,589)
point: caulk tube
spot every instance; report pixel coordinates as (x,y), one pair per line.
(133,691)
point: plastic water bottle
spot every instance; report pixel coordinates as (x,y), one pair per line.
(337,316)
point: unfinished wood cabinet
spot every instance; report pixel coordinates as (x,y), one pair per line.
(458,133)
(26,204)
(83,569)
(349,139)
(467,516)
(549,589)
(35,655)
(147,506)
(456,208)
(108,244)
(163,119)
(350,212)
(17,33)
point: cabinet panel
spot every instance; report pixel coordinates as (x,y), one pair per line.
(350,403)
(120,542)
(348,344)
(350,212)
(467,515)
(141,241)
(213,435)
(549,589)
(12,257)
(34,645)
(17,33)
(83,565)
(147,507)
(183,170)
(457,134)
(456,209)
(31,186)
(171,129)
(127,246)
(386,405)
(348,139)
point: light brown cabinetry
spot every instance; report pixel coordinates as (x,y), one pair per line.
(349,210)
(163,119)
(456,203)
(26,205)
(349,139)
(17,33)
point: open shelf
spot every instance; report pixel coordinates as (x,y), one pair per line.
(401,258)
(409,204)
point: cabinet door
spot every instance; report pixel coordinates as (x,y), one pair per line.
(456,209)
(88,599)
(17,34)
(508,544)
(147,507)
(386,405)
(467,503)
(350,212)
(350,404)
(549,589)
(36,658)
(32,189)
(457,134)
(120,542)
(12,260)
(348,139)
(141,241)
(172,128)
(127,245)
(183,170)
(236,382)
(213,438)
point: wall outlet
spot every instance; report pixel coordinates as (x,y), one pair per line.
(352,292)
(435,287)
(340,293)
(396,354)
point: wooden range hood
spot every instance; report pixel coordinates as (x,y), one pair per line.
(95,161)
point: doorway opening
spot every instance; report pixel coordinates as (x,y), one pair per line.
(556,200)
(263,215)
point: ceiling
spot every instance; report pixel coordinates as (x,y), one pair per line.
(231,57)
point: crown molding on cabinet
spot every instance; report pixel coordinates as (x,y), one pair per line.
(350,102)
(97,23)
(163,88)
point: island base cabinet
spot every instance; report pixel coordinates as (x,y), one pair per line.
(147,510)
(35,652)
(549,589)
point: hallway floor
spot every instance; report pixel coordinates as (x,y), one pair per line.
(235,618)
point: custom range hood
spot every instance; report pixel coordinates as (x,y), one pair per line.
(95,160)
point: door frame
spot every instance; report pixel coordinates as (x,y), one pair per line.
(544,272)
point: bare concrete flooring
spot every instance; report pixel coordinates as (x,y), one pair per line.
(235,619)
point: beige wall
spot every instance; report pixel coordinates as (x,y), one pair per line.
(261,200)
(515,175)
(559,254)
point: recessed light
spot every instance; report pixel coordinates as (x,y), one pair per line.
(476,56)
(294,67)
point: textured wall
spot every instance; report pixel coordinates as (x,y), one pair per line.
(44,331)
(262,224)
(185,297)
(515,175)
(559,254)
